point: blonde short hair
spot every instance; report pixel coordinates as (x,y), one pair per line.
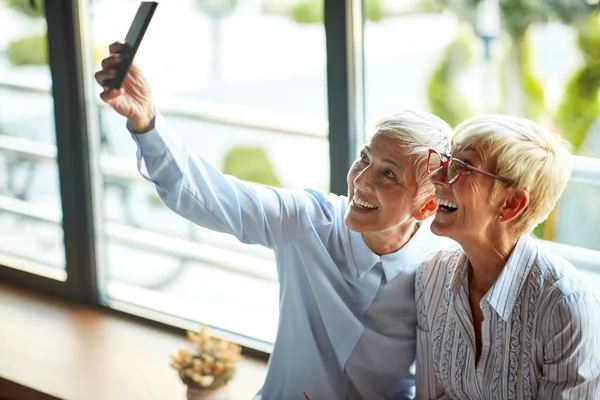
(534,160)
(418,131)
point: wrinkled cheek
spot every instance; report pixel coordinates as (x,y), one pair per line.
(469,218)
(352,174)
(350,180)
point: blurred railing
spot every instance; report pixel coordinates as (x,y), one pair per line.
(213,113)
(153,242)
(586,170)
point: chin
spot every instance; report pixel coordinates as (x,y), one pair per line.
(437,228)
(355,225)
(352,225)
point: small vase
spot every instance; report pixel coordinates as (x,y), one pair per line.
(194,393)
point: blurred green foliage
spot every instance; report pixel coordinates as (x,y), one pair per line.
(28,51)
(445,100)
(580,107)
(311,11)
(533,88)
(250,164)
(538,231)
(374,10)
(517,17)
(307,12)
(24,7)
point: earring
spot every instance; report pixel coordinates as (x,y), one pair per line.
(500,217)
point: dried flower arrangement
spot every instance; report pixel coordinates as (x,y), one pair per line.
(211,363)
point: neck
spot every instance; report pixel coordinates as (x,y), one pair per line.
(391,240)
(487,259)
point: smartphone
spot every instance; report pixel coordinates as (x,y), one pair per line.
(132,42)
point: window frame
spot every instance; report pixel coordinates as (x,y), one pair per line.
(70,119)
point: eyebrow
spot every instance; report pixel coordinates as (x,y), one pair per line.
(394,163)
(367,150)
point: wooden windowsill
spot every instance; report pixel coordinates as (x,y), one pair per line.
(51,348)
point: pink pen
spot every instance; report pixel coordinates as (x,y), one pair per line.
(305,396)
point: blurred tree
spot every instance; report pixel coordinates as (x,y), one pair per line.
(24,7)
(308,12)
(523,94)
(311,11)
(250,164)
(374,10)
(445,100)
(534,106)
(580,107)
(30,50)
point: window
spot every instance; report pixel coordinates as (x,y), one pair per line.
(276,84)
(243,82)
(31,235)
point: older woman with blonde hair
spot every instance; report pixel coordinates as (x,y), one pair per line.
(498,317)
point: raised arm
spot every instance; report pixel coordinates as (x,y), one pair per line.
(196,190)
(572,350)
(192,187)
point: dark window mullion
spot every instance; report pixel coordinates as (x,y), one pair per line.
(72,142)
(345,82)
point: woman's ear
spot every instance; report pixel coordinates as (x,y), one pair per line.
(514,204)
(426,210)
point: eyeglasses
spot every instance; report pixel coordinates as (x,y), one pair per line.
(452,168)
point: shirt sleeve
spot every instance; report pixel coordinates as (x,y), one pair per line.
(197,191)
(426,382)
(572,350)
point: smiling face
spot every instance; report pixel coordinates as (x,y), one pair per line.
(381,187)
(465,211)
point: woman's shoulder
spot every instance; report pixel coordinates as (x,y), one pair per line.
(559,275)
(444,258)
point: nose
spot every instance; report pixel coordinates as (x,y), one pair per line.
(437,177)
(363,179)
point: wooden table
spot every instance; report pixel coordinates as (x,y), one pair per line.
(49,347)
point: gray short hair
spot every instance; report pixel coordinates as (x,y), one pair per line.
(418,131)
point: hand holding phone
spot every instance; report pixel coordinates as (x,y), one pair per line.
(132,42)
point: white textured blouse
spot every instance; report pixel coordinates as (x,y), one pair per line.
(540,334)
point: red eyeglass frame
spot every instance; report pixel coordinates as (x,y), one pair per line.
(463,167)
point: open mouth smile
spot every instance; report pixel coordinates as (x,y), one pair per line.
(446,205)
(362,204)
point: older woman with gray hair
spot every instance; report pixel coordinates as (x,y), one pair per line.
(346,264)
(499,317)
